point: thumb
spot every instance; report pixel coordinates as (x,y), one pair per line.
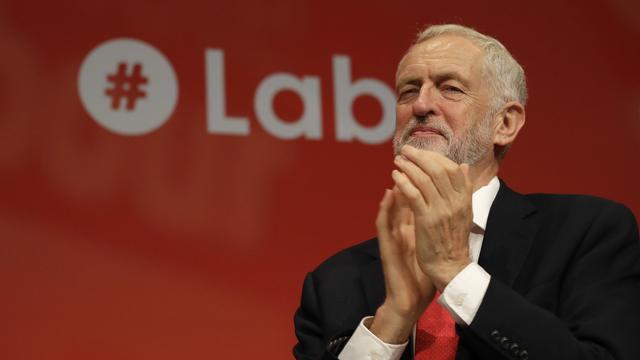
(465,171)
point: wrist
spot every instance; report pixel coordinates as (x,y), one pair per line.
(390,326)
(442,274)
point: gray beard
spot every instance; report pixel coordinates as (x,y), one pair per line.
(468,148)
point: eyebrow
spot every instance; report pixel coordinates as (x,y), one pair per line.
(437,78)
(408,81)
(451,75)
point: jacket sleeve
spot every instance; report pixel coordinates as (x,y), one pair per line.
(312,344)
(597,316)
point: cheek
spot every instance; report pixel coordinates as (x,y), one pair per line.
(461,117)
(403,115)
(456,119)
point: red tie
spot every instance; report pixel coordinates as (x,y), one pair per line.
(436,337)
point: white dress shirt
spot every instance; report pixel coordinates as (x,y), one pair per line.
(461,297)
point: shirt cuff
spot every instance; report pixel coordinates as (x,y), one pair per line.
(463,295)
(363,344)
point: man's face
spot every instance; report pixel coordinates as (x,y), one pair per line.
(443,100)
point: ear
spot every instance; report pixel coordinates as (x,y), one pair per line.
(508,123)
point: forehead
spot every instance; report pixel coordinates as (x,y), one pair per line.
(442,54)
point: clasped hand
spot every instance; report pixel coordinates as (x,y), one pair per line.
(423,230)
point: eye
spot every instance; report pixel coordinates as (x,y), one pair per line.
(407,93)
(451,88)
(452,92)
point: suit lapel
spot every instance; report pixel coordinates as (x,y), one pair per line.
(511,228)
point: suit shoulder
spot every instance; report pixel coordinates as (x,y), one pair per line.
(354,256)
(581,210)
(583,204)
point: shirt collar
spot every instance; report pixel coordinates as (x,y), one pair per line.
(481,202)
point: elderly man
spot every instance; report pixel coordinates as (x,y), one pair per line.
(463,267)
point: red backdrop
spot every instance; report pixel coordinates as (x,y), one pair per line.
(186,243)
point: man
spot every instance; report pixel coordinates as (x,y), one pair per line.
(463,267)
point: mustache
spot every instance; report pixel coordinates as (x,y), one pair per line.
(415,124)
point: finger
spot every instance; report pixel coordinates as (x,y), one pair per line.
(391,248)
(413,195)
(388,225)
(382,220)
(399,199)
(465,178)
(456,175)
(396,215)
(402,208)
(403,223)
(385,237)
(436,165)
(420,179)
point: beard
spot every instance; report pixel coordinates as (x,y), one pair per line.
(466,148)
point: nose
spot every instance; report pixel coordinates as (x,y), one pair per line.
(424,105)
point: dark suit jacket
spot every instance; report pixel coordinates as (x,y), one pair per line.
(565,284)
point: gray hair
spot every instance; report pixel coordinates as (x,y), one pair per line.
(504,74)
